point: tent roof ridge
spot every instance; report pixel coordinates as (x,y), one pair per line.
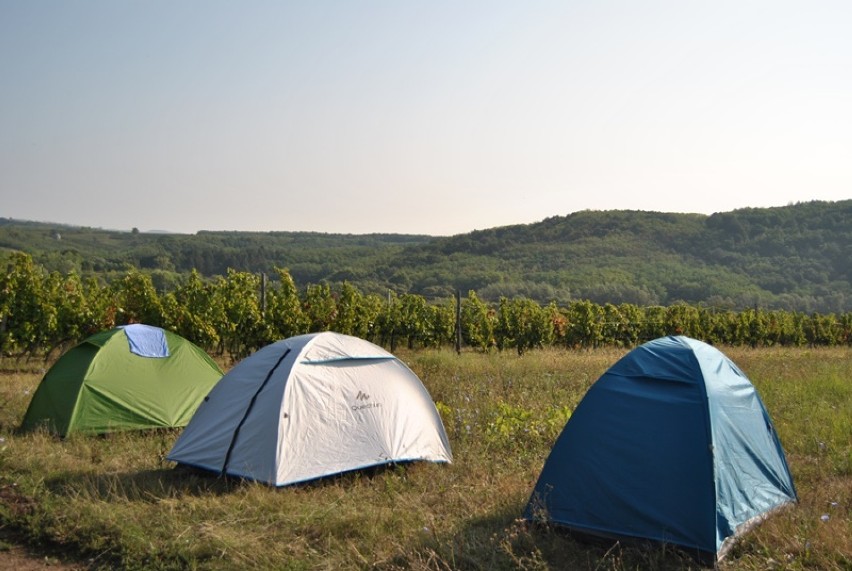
(349,358)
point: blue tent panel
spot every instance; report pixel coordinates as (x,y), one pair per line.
(146,341)
(671,444)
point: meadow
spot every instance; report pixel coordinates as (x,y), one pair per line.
(115,502)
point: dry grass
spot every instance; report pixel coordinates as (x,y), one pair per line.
(116,502)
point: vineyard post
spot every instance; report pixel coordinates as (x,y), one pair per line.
(391,323)
(458,322)
(263,295)
(9,269)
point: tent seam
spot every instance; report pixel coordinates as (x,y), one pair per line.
(708,427)
(249,409)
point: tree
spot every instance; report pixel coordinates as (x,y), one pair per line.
(586,324)
(682,319)
(350,306)
(137,300)
(284,313)
(524,324)
(191,311)
(319,307)
(74,319)
(389,321)
(477,321)
(241,326)
(24,315)
(414,316)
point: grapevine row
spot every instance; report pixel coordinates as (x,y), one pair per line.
(42,313)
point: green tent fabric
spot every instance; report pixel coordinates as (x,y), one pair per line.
(102,386)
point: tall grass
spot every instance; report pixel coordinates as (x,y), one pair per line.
(116,502)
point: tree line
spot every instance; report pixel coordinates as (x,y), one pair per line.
(43,313)
(793,258)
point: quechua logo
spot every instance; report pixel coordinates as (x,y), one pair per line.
(362,401)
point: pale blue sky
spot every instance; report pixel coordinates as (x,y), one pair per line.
(435,117)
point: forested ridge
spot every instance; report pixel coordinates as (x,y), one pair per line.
(795,257)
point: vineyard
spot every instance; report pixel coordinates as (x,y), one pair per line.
(43,313)
(116,502)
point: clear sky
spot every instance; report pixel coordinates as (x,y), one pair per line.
(431,117)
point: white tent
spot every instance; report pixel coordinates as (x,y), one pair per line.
(311,406)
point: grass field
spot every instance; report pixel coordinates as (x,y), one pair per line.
(116,502)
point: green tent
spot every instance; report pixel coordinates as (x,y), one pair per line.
(128,378)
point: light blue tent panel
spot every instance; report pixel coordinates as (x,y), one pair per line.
(671,444)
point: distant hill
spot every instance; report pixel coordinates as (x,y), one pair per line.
(793,257)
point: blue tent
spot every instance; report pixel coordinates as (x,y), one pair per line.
(671,444)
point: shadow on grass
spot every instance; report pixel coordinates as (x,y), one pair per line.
(497,541)
(187,481)
(504,541)
(145,485)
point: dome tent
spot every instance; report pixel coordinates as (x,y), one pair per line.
(312,406)
(671,444)
(127,378)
